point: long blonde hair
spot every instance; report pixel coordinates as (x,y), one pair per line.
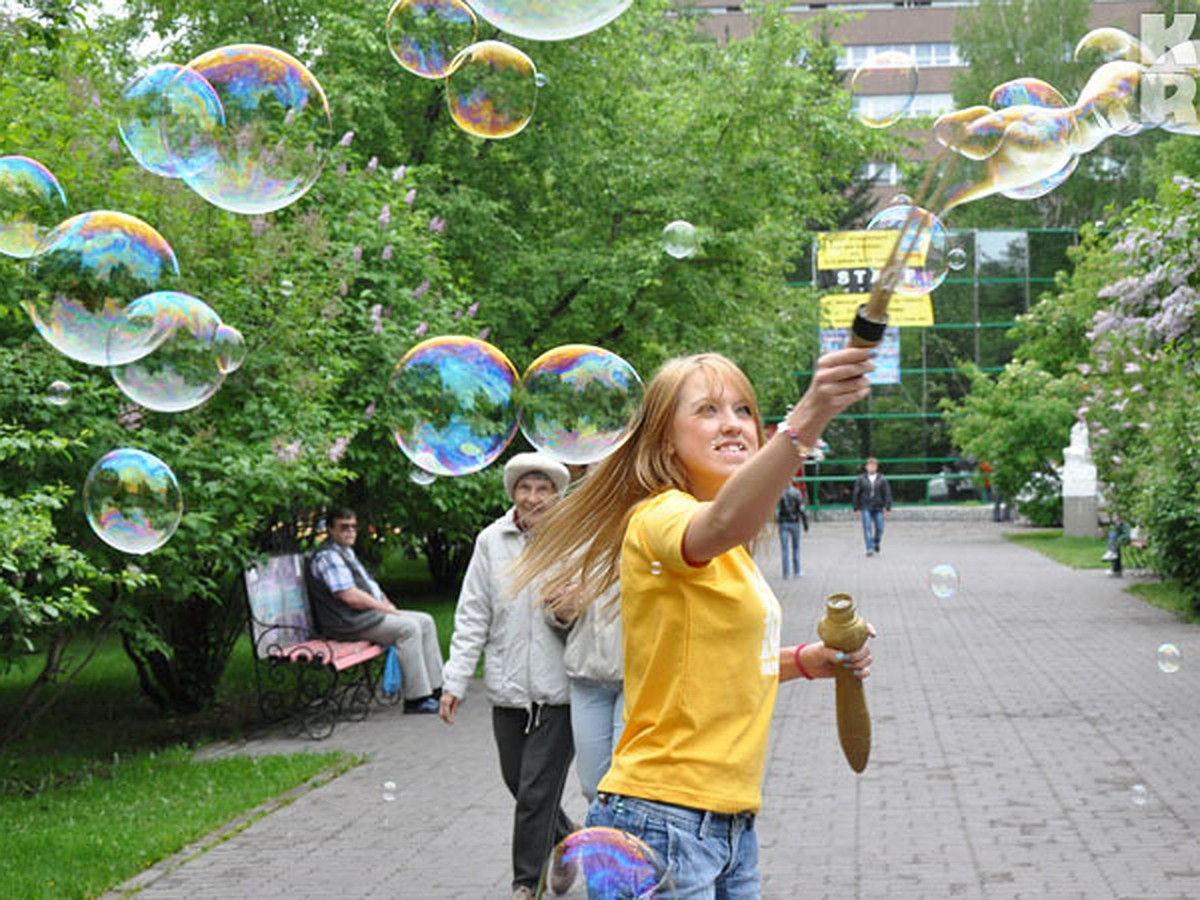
(588,526)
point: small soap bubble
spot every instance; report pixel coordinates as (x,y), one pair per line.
(452,406)
(540,20)
(944,581)
(426,36)
(901,200)
(492,90)
(540,79)
(31,203)
(577,402)
(604,862)
(655,567)
(170,102)
(389,791)
(680,239)
(276,133)
(421,477)
(132,500)
(183,371)
(923,245)
(882,88)
(1139,795)
(956,259)
(86,272)
(58,393)
(229,348)
(1169,658)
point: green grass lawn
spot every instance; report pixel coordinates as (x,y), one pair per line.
(1085,553)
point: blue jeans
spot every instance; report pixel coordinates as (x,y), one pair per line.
(709,856)
(597,718)
(872,520)
(789,533)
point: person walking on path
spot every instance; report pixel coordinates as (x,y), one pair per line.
(873,499)
(522,642)
(789,515)
(348,604)
(668,515)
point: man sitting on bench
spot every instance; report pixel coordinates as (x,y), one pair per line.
(349,605)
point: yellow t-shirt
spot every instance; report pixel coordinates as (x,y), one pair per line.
(701,667)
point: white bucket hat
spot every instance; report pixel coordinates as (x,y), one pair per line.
(529,463)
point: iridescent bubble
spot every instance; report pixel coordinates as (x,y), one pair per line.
(230,349)
(922,240)
(31,203)
(549,20)
(1026,92)
(86,272)
(577,402)
(1109,44)
(882,88)
(421,477)
(170,103)
(680,239)
(957,259)
(426,36)
(492,90)
(132,501)
(1139,795)
(58,393)
(1169,658)
(604,862)
(452,405)
(276,134)
(944,581)
(182,372)
(389,791)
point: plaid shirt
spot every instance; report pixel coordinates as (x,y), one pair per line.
(337,569)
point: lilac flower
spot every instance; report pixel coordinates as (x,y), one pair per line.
(376,312)
(369,412)
(113,146)
(437,224)
(485,333)
(399,174)
(377,329)
(387,253)
(472,309)
(258,225)
(373,164)
(422,328)
(356,253)
(420,289)
(346,139)
(410,197)
(341,170)
(287,453)
(338,449)
(457,314)
(129,417)
(385,215)
(1084,369)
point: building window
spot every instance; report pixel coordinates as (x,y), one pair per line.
(880,173)
(926,55)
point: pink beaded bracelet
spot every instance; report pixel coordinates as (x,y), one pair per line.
(799,665)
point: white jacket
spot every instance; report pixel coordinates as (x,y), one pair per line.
(594,644)
(522,647)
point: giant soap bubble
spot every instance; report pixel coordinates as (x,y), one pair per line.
(578,401)
(605,862)
(452,405)
(426,36)
(86,272)
(31,203)
(492,90)
(132,500)
(549,20)
(276,134)
(923,245)
(185,369)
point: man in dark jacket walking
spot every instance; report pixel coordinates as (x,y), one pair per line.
(873,498)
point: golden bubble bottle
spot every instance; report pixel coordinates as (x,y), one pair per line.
(843,629)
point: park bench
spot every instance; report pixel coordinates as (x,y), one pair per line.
(303,679)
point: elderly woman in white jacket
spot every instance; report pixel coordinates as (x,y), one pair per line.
(524,677)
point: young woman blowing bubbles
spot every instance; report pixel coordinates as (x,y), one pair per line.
(670,514)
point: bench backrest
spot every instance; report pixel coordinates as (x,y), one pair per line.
(279,611)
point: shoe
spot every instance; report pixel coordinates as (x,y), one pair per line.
(523,893)
(424,706)
(877,550)
(870,553)
(1108,556)
(1111,574)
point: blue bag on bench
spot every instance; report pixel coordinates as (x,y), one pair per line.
(392,677)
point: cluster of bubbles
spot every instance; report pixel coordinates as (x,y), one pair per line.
(604,862)
(1029,138)
(132,500)
(491,86)
(247,127)
(457,402)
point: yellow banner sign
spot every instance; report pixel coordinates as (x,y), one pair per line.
(904,310)
(869,249)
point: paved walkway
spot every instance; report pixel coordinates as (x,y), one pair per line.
(1016,726)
